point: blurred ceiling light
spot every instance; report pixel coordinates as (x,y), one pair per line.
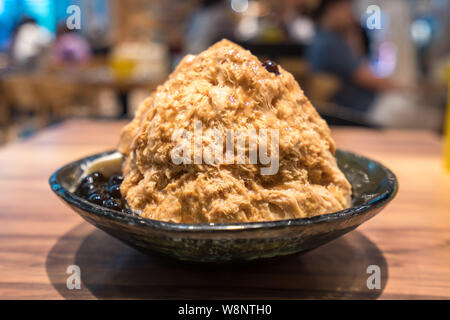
(302,29)
(239,6)
(248,28)
(421,32)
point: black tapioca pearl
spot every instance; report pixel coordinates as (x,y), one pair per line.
(115,204)
(94,178)
(271,66)
(127,211)
(97,198)
(115,179)
(87,179)
(114,191)
(98,177)
(86,189)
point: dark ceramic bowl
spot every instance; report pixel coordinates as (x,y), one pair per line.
(374,186)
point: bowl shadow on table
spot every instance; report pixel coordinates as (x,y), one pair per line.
(110,269)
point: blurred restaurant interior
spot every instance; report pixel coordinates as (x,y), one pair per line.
(99,58)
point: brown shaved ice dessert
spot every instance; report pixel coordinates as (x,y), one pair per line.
(227,88)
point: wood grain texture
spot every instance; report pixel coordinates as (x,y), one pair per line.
(40,237)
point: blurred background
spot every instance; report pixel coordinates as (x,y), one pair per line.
(378,63)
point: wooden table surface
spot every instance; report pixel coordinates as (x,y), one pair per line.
(41,237)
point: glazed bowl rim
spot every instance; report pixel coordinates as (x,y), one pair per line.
(386,196)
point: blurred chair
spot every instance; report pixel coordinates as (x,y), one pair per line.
(297,66)
(320,88)
(22,93)
(57,95)
(5,115)
(5,112)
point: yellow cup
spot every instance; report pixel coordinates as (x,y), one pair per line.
(122,68)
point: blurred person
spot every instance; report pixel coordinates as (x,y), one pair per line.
(335,51)
(99,41)
(70,47)
(210,23)
(29,42)
(358,40)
